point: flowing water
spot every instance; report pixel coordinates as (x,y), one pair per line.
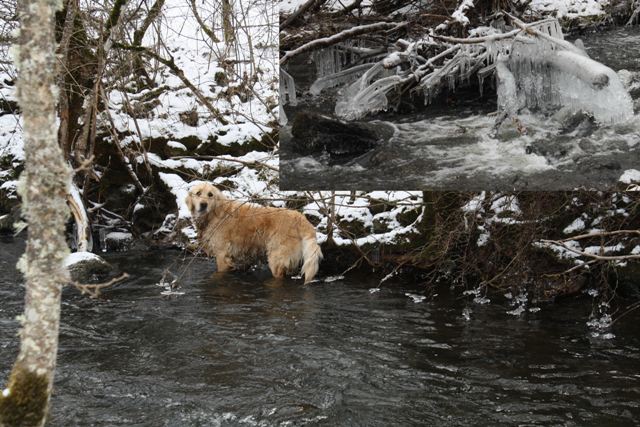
(452,147)
(243,349)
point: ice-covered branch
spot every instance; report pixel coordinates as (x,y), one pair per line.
(460,14)
(341,36)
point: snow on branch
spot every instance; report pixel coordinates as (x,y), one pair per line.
(460,14)
(341,36)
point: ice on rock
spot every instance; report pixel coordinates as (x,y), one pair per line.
(555,74)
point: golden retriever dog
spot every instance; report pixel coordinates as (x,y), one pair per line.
(235,232)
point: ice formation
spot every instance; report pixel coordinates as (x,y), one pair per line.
(551,73)
(340,78)
(368,94)
(536,69)
(287,88)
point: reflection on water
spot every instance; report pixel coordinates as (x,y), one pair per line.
(243,349)
(452,147)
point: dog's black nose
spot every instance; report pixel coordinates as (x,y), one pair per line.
(203,206)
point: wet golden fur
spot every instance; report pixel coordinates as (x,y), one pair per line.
(235,233)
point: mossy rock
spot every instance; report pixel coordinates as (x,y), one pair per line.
(85,267)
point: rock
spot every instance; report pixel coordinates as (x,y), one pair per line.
(86,266)
(314,133)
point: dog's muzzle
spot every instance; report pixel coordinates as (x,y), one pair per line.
(202,207)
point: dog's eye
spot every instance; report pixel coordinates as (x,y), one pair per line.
(210,194)
(198,193)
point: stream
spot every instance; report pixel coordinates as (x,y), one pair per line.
(450,147)
(244,350)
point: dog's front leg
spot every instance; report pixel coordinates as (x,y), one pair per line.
(223,262)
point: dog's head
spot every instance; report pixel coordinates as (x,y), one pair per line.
(203,198)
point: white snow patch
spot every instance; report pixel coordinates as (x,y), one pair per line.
(179,188)
(577,225)
(176,145)
(78,257)
(630,176)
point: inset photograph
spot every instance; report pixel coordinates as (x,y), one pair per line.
(458,95)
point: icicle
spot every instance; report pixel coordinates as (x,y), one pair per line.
(337,79)
(507,91)
(282,116)
(287,88)
(366,95)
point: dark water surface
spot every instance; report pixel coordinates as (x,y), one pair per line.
(241,349)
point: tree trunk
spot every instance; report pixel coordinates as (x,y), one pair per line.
(44,185)
(227,22)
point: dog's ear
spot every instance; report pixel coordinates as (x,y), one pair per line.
(189,202)
(217,194)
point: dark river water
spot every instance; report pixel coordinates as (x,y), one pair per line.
(243,350)
(451,147)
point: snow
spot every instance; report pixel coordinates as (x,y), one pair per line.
(569,9)
(630,176)
(11,142)
(176,145)
(197,56)
(577,225)
(179,188)
(459,14)
(10,188)
(79,257)
(118,236)
(415,297)
(475,204)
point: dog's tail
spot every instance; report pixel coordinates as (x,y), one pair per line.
(312,256)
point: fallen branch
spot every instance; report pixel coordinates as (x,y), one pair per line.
(601,234)
(562,244)
(93,290)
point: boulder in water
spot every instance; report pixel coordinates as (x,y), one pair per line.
(314,133)
(85,266)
